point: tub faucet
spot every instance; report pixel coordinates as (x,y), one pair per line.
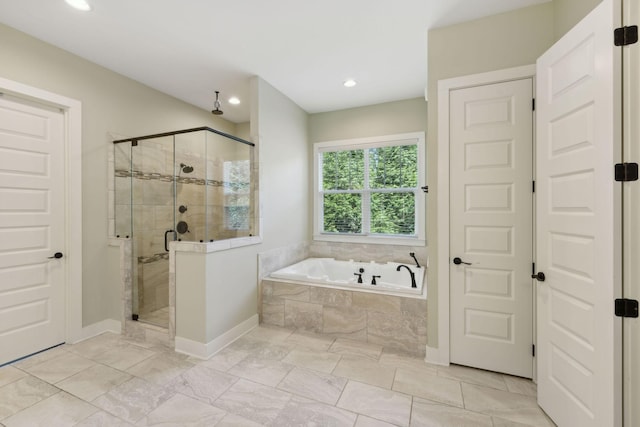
(413,255)
(359,274)
(413,276)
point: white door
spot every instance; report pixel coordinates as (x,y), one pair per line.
(578,228)
(631,197)
(32,228)
(491,303)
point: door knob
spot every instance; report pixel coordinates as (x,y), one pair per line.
(57,255)
(458,261)
(539,277)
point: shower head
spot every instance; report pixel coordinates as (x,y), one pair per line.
(186,168)
(217,111)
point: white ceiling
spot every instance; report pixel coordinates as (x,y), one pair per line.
(304,48)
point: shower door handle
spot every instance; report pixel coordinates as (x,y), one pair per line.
(166,243)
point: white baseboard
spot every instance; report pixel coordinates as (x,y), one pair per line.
(107,325)
(205,351)
(435,357)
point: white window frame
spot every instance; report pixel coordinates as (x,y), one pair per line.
(419,238)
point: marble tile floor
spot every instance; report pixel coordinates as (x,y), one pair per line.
(269,377)
(159,317)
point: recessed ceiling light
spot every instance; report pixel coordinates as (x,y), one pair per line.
(79,4)
(349,83)
(233,100)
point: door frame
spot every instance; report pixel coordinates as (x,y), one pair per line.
(72,247)
(441,354)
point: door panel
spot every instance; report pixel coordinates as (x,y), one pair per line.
(32,287)
(491,227)
(578,235)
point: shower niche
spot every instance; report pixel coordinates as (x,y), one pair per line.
(193,185)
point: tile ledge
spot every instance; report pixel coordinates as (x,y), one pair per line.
(217,246)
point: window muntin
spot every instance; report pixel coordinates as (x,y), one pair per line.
(368,189)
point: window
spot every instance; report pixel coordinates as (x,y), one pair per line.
(368,190)
(236,175)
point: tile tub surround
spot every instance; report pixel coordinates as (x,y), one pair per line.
(307,379)
(396,323)
(368,252)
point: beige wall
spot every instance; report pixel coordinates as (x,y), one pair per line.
(567,13)
(111,104)
(501,41)
(382,119)
(280,128)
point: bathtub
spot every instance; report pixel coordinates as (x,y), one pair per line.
(331,273)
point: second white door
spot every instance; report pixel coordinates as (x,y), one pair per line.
(32,228)
(491,235)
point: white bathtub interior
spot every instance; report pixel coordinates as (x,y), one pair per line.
(332,273)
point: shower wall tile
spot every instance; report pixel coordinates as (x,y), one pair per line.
(123,190)
(163,217)
(137,191)
(162,291)
(155,192)
(122,220)
(151,156)
(120,154)
(144,218)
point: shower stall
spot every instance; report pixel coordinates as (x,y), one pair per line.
(193,185)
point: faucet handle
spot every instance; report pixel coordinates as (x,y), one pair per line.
(413,255)
(373,279)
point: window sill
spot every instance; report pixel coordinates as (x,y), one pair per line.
(378,240)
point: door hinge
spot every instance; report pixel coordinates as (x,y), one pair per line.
(533,186)
(533,104)
(533,350)
(626,307)
(626,172)
(624,36)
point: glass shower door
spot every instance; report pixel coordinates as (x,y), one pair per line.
(154,222)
